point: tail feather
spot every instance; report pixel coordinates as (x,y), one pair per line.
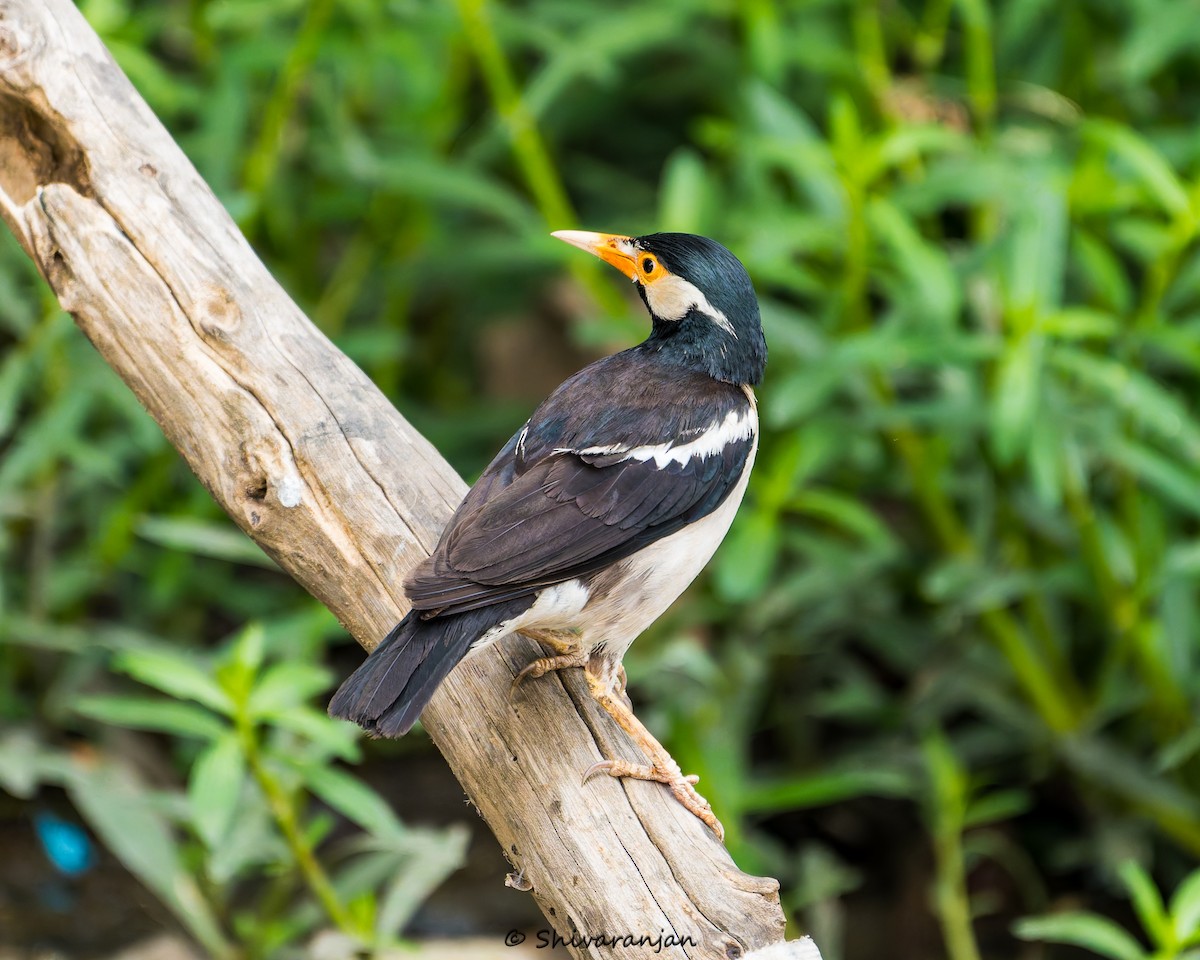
(386,695)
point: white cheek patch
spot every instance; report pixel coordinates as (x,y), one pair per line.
(672,297)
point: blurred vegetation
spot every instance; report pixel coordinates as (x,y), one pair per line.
(943,674)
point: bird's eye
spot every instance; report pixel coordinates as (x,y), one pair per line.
(647,266)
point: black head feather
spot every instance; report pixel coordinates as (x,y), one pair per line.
(737,355)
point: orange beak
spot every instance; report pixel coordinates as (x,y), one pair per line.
(609,247)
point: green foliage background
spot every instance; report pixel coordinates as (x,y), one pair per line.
(946,664)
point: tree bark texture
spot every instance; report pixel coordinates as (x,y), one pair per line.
(310,459)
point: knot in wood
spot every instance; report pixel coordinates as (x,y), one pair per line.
(220,315)
(17,43)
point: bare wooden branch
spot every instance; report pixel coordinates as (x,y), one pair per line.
(310,460)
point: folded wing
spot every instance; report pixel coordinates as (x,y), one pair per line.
(568,514)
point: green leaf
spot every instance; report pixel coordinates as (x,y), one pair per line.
(1185,908)
(1014,403)
(431,858)
(932,293)
(248,648)
(287,685)
(176,675)
(353,799)
(1146,238)
(903,144)
(1147,901)
(251,839)
(1079,323)
(433,180)
(204,538)
(1178,751)
(1098,934)
(22,763)
(1145,161)
(1102,272)
(947,778)
(1035,246)
(747,557)
(1169,479)
(1107,764)
(146,713)
(822,789)
(1046,461)
(123,814)
(805,392)
(1161,33)
(685,192)
(846,512)
(215,787)
(997,806)
(105,16)
(1135,393)
(42,440)
(237,670)
(15,372)
(336,738)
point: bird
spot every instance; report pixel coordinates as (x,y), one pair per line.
(600,510)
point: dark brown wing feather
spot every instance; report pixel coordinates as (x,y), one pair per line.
(546,510)
(564,518)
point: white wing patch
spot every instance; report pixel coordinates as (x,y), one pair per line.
(711,442)
(672,297)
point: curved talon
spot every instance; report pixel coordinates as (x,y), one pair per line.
(601,767)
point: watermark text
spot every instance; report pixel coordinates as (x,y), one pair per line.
(545,939)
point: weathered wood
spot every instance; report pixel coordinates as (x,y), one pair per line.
(802,949)
(310,460)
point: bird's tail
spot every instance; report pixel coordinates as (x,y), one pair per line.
(388,692)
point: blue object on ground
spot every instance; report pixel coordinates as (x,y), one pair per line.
(66,844)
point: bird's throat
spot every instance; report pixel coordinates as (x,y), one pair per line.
(696,343)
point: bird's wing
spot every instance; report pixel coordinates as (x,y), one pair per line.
(575,510)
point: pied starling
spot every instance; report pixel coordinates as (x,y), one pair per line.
(601,510)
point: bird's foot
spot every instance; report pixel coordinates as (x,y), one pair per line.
(544,665)
(662,767)
(683,787)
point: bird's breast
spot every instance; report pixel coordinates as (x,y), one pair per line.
(627,597)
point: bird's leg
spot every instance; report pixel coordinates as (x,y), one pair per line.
(567,654)
(559,642)
(619,687)
(662,767)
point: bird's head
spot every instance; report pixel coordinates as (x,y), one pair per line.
(699,295)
